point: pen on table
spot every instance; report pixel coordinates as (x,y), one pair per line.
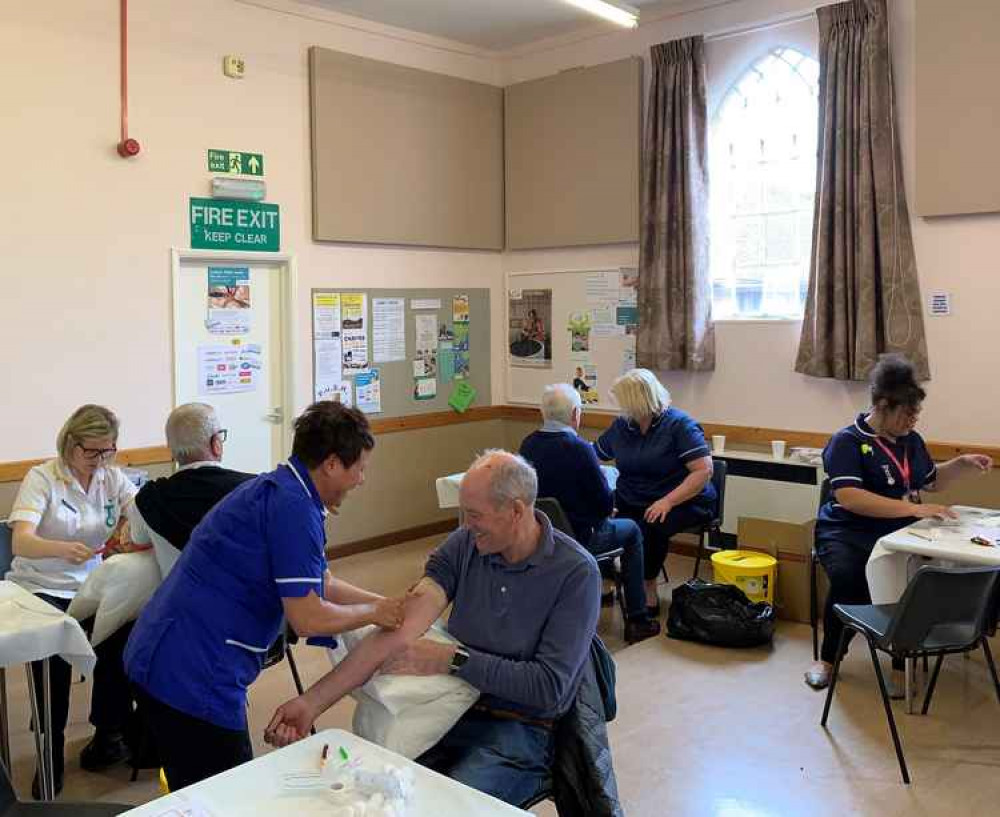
(324,755)
(920,535)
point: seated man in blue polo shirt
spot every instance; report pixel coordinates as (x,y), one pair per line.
(525,598)
(255,560)
(568,470)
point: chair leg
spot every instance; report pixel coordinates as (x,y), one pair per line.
(888,714)
(932,683)
(813,608)
(992,666)
(697,558)
(841,649)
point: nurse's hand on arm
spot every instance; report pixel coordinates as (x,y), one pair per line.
(313,615)
(28,544)
(866,503)
(292,721)
(699,474)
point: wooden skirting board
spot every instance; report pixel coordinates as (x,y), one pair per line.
(735,435)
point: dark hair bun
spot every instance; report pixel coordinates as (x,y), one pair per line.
(894,381)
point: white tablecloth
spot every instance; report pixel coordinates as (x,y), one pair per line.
(31,629)
(888,568)
(255,788)
(447,487)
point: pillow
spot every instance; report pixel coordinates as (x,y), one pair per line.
(115,591)
(406,714)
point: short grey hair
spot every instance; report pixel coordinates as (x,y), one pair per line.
(511,477)
(559,401)
(189,431)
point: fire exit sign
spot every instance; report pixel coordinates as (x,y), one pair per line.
(236,162)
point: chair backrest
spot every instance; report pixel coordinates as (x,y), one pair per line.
(825,491)
(942,607)
(6,547)
(719,470)
(557,516)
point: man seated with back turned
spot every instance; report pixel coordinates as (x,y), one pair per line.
(568,470)
(167,510)
(526,600)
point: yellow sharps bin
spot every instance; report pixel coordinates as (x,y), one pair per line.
(752,572)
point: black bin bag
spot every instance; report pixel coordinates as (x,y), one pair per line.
(719,614)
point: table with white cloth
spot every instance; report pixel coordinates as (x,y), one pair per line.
(447,487)
(33,630)
(897,556)
(258,788)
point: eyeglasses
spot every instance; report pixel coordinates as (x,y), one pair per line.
(97,453)
(222,434)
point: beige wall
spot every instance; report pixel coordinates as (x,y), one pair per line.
(85,235)
(753,383)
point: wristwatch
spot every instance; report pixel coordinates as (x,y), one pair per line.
(458,660)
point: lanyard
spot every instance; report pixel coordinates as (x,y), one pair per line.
(904,468)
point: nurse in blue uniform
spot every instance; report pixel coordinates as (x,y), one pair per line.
(255,560)
(879,469)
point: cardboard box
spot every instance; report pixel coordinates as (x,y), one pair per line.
(791,544)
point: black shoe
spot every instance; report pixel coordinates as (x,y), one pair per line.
(639,629)
(106,749)
(36,785)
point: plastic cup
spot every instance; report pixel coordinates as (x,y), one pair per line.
(778,449)
(718,443)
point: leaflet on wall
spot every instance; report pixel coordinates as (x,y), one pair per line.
(529,337)
(425,388)
(368,391)
(326,315)
(446,362)
(460,309)
(427,344)
(328,366)
(228,300)
(425,303)
(602,287)
(354,331)
(578,324)
(228,368)
(337,392)
(389,329)
(585,382)
(628,289)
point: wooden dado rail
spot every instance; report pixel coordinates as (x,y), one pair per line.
(744,435)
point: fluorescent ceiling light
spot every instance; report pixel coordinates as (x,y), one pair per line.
(620,13)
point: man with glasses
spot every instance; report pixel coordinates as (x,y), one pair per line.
(167,510)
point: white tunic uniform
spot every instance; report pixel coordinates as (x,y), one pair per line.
(52,498)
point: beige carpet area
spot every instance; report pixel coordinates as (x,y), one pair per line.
(700,730)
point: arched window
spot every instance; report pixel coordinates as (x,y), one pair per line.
(762,176)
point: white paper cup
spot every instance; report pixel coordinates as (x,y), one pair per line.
(778,449)
(718,443)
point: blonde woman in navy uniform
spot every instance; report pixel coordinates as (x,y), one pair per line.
(879,468)
(65,511)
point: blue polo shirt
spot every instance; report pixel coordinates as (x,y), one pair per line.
(568,470)
(854,458)
(527,626)
(200,641)
(651,465)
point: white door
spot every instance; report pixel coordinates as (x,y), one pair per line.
(241,371)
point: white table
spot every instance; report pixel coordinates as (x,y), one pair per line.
(447,487)
(32,630)
(888,566)
(255,788)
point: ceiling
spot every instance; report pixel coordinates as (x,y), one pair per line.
(494,25)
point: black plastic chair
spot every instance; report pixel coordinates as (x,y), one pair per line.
(943,611)
(10,806)
(711,529)
(824,495)
(606,559)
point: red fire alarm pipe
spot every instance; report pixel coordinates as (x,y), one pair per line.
(126,147)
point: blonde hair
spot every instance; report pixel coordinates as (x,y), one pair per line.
(86,423)
(639,394)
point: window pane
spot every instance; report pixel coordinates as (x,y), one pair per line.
(763,173)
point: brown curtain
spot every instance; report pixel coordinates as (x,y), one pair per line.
(675,292)
(864,297)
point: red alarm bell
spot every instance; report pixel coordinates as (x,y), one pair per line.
(128,148)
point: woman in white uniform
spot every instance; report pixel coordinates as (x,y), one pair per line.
(65,510)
